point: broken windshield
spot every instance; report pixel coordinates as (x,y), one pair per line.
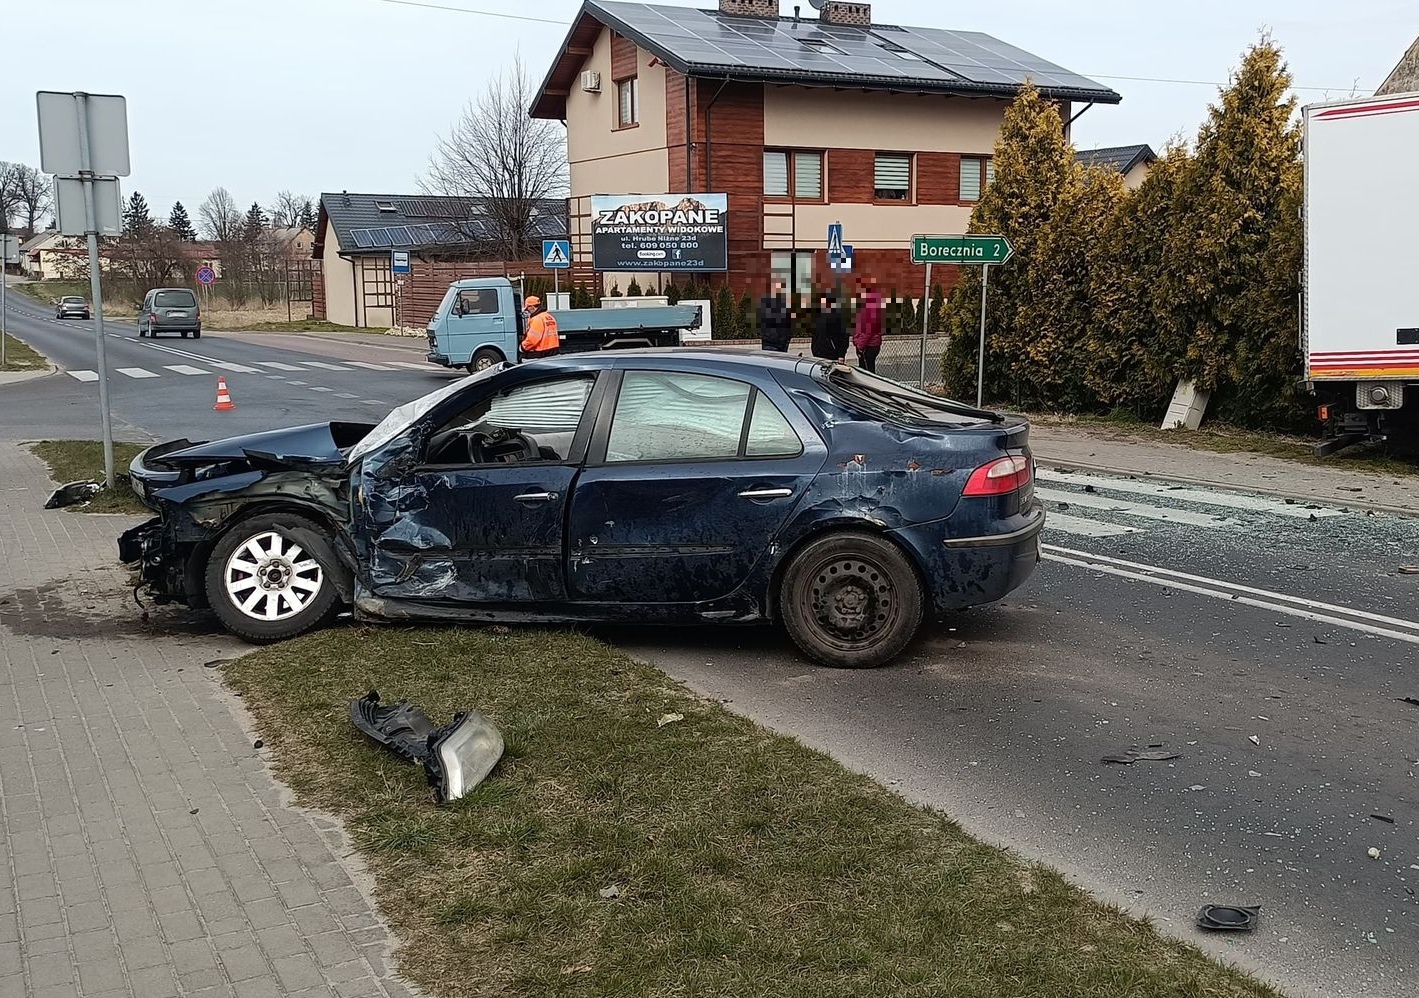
(888,399)
(404,416)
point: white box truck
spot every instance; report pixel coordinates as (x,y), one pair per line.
(1360,318)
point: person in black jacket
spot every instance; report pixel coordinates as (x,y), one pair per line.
(830,339)
(775,322)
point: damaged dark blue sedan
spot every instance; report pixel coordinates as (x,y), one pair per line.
(673,487)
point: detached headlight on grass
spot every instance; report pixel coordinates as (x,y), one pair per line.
(456,757)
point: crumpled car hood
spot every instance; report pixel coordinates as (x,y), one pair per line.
(314,443)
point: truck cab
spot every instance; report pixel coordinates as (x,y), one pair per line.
(479,324)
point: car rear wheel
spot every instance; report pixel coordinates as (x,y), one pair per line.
(197,334)
(851,600)
(269,578)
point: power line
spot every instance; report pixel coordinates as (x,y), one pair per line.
(1099,76)
(470,10)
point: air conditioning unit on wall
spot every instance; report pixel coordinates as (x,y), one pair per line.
(591,81)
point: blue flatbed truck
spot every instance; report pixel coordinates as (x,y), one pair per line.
(479,323)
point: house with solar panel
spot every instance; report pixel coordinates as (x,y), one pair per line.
(447,238)
(803,116)
(1130,162)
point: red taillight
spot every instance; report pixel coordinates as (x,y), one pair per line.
(1000,477)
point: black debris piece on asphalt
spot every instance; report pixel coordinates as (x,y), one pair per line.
(1320,640)
(217,663)
(1228,918)
(73,494)
(1409,569)
(258,744)
(1133,755)
(1090,489)
(1383,817)
(1412,701)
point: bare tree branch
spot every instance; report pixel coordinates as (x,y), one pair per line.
(219,217)
(34,196)
(497,152)
(286,210)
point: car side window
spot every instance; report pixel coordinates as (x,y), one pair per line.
(483,301)
(527,423)
(662,416)
(770,433)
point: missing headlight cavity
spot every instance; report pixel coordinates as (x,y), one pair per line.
(456,757)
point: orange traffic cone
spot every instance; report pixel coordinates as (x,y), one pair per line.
(224,397)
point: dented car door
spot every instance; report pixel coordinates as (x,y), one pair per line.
(477,517)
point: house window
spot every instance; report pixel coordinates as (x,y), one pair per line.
(628,103)
(797,171)
(892,177)
(793,269)
(977,173)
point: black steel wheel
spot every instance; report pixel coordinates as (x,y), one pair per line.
(851,600)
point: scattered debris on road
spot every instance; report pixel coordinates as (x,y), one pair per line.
(1409,569)
(456,757)
(1254,739)
(1373,853)
(1412,701)
(1133,755)
(1383,817)
(665,719)
(73,494)
(1228,918)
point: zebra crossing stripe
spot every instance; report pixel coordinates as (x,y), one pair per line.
(1126,507)
(184,369)
(235,368)
(136,372)
(276,365)
(83,375)
(324,366)
(412,367)
(368,366)
(1085,528)
(1227,500)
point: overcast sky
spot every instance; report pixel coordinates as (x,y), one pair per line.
(312,95)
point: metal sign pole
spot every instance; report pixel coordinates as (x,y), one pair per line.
(91,231)
(4,316)
(925,319)
(980,363)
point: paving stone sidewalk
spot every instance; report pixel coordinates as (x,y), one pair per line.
(145,849)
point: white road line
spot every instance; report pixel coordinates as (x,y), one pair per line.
(276,365)
(372,402)
(298,384)
(323,366)
(1126,507)
(345,395)
(368,366)
(1232,590)
(275,377)
(136,372)
(236,368)
(185,369)
(412,367)
(83,375)
(1229,500)
(318,388)
(1085,528)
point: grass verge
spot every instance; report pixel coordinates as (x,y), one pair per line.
(20,356)
(742,863)
(295,326)
(82,460)
(1230,440)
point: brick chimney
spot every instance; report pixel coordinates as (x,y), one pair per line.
(841,12)
(749,8)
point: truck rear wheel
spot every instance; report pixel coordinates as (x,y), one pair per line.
(484,359)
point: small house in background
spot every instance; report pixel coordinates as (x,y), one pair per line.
(1404,78)
(293,243)
(353,283)
(1131,161)
(40,255)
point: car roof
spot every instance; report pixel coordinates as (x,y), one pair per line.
(683,358)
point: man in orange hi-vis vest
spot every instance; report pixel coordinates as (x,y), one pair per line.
(541,338)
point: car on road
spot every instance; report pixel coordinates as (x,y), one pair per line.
(673,486)
(71,307)
(170,310)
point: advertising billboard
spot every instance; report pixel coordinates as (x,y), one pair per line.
(660,232)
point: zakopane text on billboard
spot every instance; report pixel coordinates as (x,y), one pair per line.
(657,233)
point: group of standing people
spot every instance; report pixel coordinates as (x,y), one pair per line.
(830,333)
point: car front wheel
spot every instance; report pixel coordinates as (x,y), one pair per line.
(269,578)
(484,359)
(851,600)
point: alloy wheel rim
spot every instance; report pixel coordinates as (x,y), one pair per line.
(271,577)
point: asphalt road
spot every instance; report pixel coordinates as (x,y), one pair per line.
(166,388)
(1268,643)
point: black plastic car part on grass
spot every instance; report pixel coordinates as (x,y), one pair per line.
(456,757)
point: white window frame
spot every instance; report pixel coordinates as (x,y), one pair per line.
(791,172)
(628,102)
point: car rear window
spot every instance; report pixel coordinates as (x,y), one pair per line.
(72,301)
(174,299)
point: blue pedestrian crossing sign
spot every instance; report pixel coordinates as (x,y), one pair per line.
(556,254)
(835,242)
(842,264)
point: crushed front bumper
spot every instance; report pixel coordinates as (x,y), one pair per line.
(161,565)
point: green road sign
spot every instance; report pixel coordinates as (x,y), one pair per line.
(961,250)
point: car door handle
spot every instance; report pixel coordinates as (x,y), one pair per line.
(766,494)
(537,497)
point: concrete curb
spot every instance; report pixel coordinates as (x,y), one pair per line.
(20,377)
(1063,464)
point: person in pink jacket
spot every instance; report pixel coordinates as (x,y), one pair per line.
(867,335)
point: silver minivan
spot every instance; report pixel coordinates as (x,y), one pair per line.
(170,310)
